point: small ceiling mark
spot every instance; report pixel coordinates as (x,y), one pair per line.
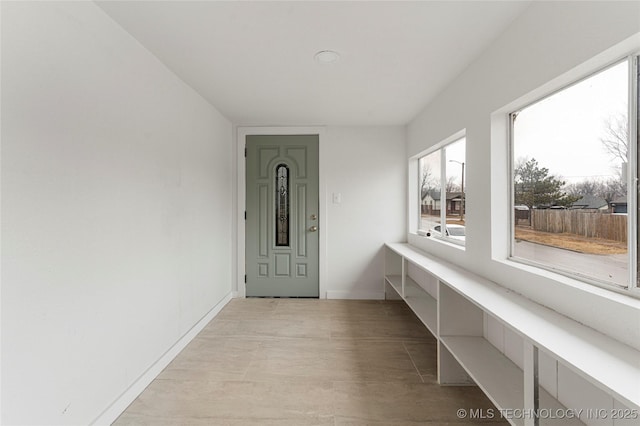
(327,57)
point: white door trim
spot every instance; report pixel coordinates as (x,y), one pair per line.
(242,133)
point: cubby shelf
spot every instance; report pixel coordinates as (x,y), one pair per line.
(455,318)
(423,304)
(420,302)
(494,373)
(395,281)
(499,378)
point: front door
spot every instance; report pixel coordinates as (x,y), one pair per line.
(282,216)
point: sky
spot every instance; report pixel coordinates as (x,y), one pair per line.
(454,152)
(562,132)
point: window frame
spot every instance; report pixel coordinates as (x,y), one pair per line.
(440,147)
(632,175)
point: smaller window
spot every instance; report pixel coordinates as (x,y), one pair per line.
(442,192)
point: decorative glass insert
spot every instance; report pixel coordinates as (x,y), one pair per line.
(282,206)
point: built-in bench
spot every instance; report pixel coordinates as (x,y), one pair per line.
(455,308)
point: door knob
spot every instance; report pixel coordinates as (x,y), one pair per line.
(313,228)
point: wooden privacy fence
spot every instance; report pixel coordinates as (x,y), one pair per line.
(589,224)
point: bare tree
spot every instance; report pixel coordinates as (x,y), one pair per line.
(586,187)
(616,143)
(520,162)
(608,190)
(427,181)
(616,138)
(614,188)
(451,185)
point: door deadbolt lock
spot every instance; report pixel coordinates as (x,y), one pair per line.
(314,217)
(313,228)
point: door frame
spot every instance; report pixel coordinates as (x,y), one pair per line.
(241,135)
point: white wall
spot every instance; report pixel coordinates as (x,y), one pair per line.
(547,41)
(116,186)
(366,166)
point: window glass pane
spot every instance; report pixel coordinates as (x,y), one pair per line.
(430,177)
(454,187)
(570,186)
(282,206)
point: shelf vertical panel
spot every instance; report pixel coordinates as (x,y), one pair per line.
(531,398)
(404,277)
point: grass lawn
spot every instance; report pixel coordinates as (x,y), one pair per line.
(571,242)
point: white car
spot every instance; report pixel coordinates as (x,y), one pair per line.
(455,232)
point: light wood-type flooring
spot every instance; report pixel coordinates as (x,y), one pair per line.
(303,362)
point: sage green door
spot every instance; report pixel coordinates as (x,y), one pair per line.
(282,216)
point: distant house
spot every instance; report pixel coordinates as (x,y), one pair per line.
(431,204)
(619,205)
(587,202)
(590,202)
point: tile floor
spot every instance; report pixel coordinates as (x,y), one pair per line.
(306,362)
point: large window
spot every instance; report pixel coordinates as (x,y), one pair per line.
(572,153)
(442,192)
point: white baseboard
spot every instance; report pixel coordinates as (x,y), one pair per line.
(356,294)
(110,415)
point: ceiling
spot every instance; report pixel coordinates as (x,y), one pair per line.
(254,61)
